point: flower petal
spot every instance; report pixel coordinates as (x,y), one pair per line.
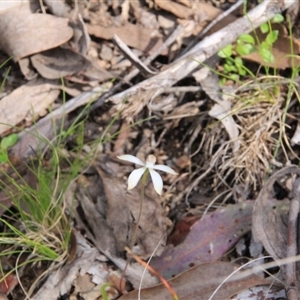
(165,169)
(151,160)
(132,159)
(157,181)
(134,177)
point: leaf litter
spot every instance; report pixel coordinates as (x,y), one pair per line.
(219,142)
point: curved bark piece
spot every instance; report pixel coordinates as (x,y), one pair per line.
(268,227)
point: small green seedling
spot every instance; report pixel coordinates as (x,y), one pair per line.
(5,144)
(103,290)
(234,66)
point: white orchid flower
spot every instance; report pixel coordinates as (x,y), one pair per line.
(136,175)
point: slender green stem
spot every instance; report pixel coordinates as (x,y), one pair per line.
(136,226)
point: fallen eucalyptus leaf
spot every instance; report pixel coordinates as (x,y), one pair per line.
(210,238)
(57,63)
(27,101)
(199,283)
(23,33)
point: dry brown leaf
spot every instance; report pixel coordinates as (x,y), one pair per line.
(59,62)
(23,33)
(176,9)
(199,283)
(28,101)
(132,35)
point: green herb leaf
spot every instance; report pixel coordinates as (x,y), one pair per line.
(242,72)
(234,77)
(244,49)
(264,28)
(266,55)
(229,61)
(238,61)
(226,51)
(227,68)
(3,157)
(277,18)
(9,141)
(230,68)
(247,38)
(222,81)
(272,37)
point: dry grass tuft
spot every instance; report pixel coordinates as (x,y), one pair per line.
(258,115)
